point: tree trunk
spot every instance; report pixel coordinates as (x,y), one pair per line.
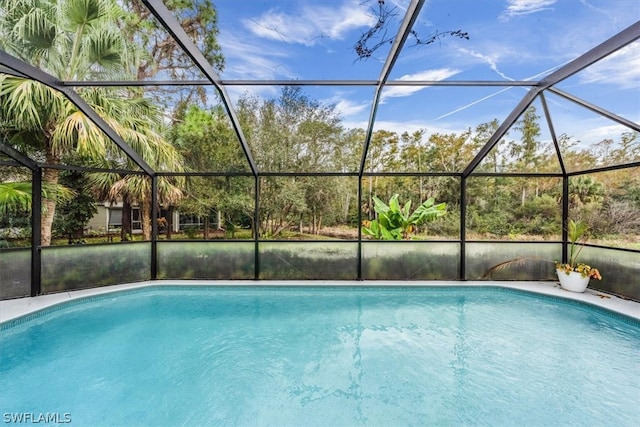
(277,230)
(206,227)
(169,222)
(127,228)
(254,230)
(145,217)
(314,219)
(49,177)
(346,207)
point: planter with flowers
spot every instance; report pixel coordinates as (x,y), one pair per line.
(574,276)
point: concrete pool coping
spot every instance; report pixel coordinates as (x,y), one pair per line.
(15,308)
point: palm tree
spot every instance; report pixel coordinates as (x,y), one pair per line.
(131,188)
(72,40)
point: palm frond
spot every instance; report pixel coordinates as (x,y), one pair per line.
(16,196)
(515,262)
(36,30)
(77,132)
(31,104)
(104,48)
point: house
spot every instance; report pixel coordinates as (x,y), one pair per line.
(109,219)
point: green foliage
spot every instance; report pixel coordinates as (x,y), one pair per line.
(15,197)
(400,223)
(163,53)
(207,143)
(73,215)
(74,40)
(498,223)
(577,235)
(293,133)
(585,190)
(191,231)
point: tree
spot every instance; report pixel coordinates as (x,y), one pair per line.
(198,18)
(293,133)
(526,152)
(347,157)
(207,142)
(133,188)
(382,156)
(73,214)
(138,189)
(584,190)
(163,55)
(413,156)
(73,40)
(379,34)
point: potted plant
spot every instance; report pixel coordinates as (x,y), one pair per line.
(574,276)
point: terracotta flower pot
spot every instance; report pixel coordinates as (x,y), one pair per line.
(573,281)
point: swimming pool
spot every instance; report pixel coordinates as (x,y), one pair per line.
(189,355)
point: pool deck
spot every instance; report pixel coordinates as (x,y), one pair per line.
(14,308)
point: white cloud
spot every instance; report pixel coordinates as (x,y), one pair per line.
(348,108)
(406,126)
(525,7)
(246,61)
(429,75)
(310,24)
(592,135)
(621,68)
(492,60)
(252,61)
(412,126)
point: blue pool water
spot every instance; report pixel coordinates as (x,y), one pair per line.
(323,356)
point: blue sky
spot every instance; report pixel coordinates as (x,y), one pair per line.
(509,40)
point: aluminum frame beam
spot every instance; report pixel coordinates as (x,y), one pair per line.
(17,156)
(617,42)
(403,32)
(604,49)
(36,74)
(170,23)
(152,83)
(502,130)
(552,131)
(608,114)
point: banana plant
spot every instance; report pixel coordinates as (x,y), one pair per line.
(399,223)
